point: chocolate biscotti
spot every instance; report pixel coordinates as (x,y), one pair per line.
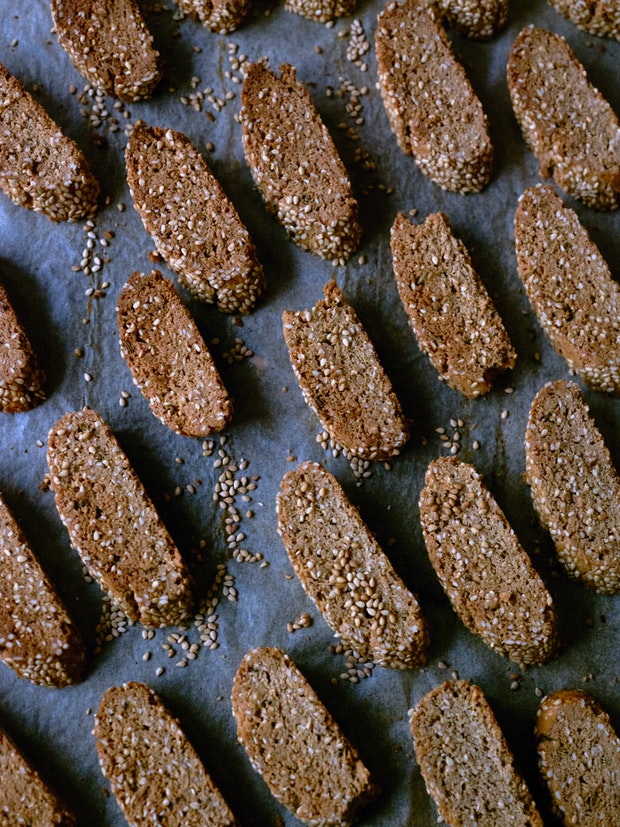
(109,44)
(113,524)
(345,572)
(477,19)
(192,221)
(217,15)
(449,309)
(342,380)
(466,762)
(295,163)
(40,168)
(21,378)
(601,18)
(168,357)
(570,287)
(569,126)
(321,10)
(423,88)
(153,770)
(295,744)
(574,485)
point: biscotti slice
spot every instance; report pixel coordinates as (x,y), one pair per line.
(169,359)
(321,10)
(570,287)
(601,18)
(477,19)
(432,109)
(579,758)
(38,639)
(295,164)
(153,770)
(113,524)
(25,799)
(465,761)
(342,380)
(192,221)
(567,123)
(489,578)
(109,44)
(449,309)
(294,743)
(21,378)
(40,168)
(574,485)
(217,15)
(345,573)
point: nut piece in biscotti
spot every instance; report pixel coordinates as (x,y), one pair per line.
(169,359)
(570,287)
(432,109)
(113,524)
(321,10)
(345,573)
(579,758)
(217,15)
(342,380)
(484,570)
(192,221)
(566,122)
(25,799)
(153,770)
(601,18)
(294,743)
(295,164)
(449,309)
(109,44)
(21,378)
(466,763)
(40,168)
(38,639)
(574,485)
(477,19)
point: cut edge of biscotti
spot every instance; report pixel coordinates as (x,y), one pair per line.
(221,16)
(345,572)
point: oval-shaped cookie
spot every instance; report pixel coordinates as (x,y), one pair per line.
(21,378)
(601,18)
(217,15)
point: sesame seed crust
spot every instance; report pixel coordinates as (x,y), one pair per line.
(484,570)
(345,572)
(153,770)
(40,168)
(169,359)
(570,287)
(575,488)
(477,19)
(569,126)
(579,758)
(342,380)
(109,44)
(421,82)
(193,223)
(321,10)
(449,309)
(112,522)
(21,378)
(466,763)
(295,164)
(217,15)
(294,743)
(601,18)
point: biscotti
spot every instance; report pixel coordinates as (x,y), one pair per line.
(579,758)
(217,15)
(321,10)
(169,359)
(25,799)
(153,770)
(601,18)
(40,168)
(345,573)
(295,164)
(38,639)
(567,123)
(489,578)
(109,44)
(21,378)
(574,485)
(465,761)
(423,87)
(449,309)
(113,524)
(192,221)
(570,287)
(342,380)
(294,743)
(477,19)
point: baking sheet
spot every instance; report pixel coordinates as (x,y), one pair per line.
(272,428)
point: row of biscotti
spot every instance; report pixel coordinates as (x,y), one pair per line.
(310,766)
